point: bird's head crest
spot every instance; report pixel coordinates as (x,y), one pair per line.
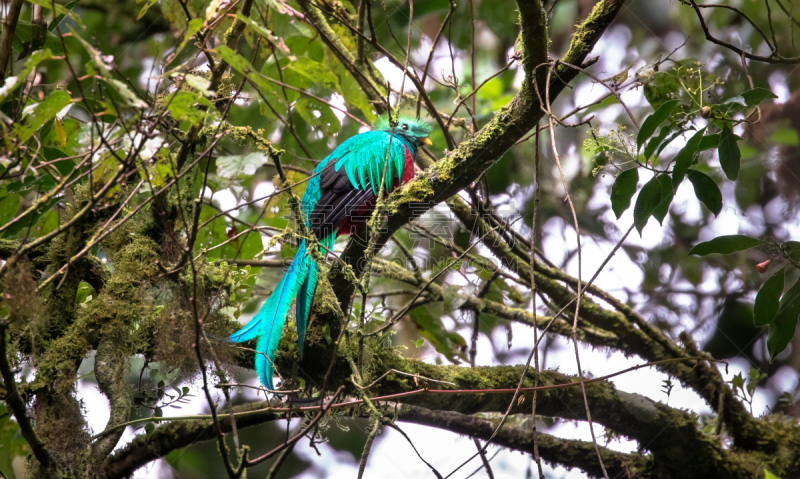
(413,129)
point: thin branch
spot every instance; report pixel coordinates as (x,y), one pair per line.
(17,405)
(7,40)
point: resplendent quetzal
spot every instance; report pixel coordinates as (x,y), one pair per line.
(339,200)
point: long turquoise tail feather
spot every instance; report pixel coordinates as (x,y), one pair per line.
(337,201)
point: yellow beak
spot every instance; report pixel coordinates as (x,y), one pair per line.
(427,141)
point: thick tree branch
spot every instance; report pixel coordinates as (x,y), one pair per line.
(635,334)
(177,435)
(668,433)
(557,451)
(109,369)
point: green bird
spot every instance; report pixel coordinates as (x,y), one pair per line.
(339,200)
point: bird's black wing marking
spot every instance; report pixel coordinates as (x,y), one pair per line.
(338,199)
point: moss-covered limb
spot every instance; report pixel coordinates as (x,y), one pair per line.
(9,247)
(110,371)
(17,405)
(535,41)
(561,452)
(772,437)
(673,435)
(37,334)
(635,333)
(121,302)
(589,334)
(177,435)
(679,447)
(365,73)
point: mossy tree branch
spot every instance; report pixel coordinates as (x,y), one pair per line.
(557,451)
(570,453)
(109,369)
(666,432)
(635,334)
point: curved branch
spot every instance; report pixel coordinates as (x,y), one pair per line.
(667,432)
(110,374)
(772,58)
(557,451)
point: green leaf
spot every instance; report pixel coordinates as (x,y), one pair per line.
(39,113)
(318,115)
(623,189)
(706,190)
(419,342)
(315,72)
(200,84)
(653,143)
(684,158)
(757,95)
(667,142)
(729,155)
(430,327)
(13,82)
(127,94)
(8,208)
(183,106)
(653,121)
(769,475)
(59,9)
(708,142)
(647,203)
(51,40)
(768,299)
(60,17)
(354,96)
(782,328)
(666,198)
(792,250)
(240,64)
(194,26)
(730,105)
(240,166)
(31,219)
(662,88)
(52,154)
(738,381)
(145,8)
(785,136)
(13,444)
(261,30)
(726,245)
(326,333)
(149,428)
(84,293)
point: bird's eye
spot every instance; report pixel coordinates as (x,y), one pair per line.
(404,126)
